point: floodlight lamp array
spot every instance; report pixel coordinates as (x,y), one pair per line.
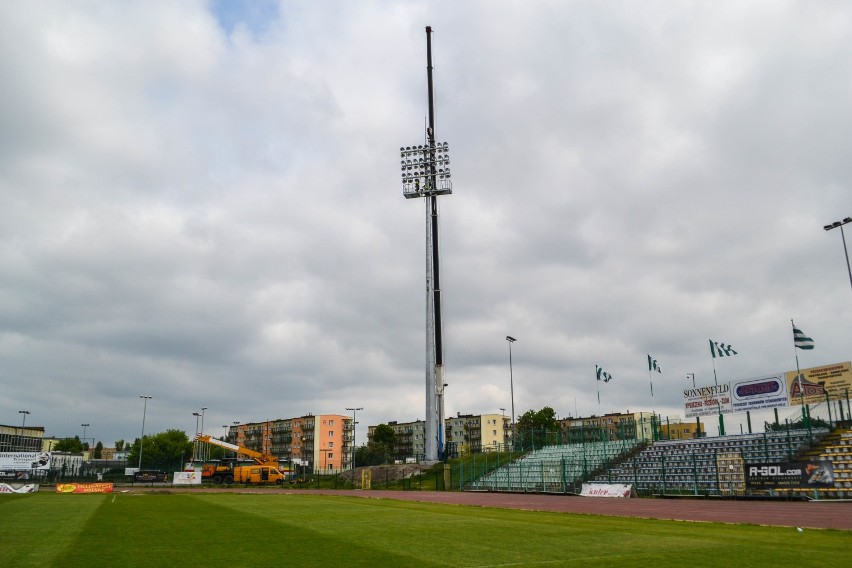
(423,164)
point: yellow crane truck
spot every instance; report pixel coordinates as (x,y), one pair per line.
(264,471)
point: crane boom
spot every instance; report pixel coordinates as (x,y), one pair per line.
(259,457)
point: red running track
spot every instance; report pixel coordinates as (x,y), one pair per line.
(806,514)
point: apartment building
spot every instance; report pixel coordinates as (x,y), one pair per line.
(321,442)
(463,434)
(613,426)
(474,433)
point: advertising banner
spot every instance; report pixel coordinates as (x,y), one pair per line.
(18,488)
(769,391)
(187,478)
(150,476)
(84,487)
(707,401)
(14,475)
(18,461)
(834,379)
(619,490)
(812,474)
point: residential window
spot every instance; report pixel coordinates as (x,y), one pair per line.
(331,422)
(331,444)
(331,433)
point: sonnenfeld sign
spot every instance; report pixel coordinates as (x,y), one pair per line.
(759,393)
(789,475)
(707,401)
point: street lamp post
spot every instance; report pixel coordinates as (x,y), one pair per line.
(84,434)
(236,434)
(142,439)
(195,438)
(353,433)
(842,236)
(511,340)
(23,426)
(503,425)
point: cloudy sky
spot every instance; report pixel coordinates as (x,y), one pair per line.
(201,203)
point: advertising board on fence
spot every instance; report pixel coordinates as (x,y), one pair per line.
(187,478)
(769,391)
(84,487)
(834,380)
(812,474)
(145,476)
(18,461)
(18,488)
(707,401)
(621,490)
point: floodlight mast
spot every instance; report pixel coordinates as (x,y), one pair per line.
(426,173)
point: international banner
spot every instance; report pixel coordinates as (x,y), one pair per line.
(769,391)
(187,478)
(834,379)
(19,461)
(707,401)
(18,488)
(618,490)
(84,487)
(798,475)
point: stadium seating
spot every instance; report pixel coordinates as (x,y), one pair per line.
(703,466)
(553,469)
(836,448)
(706,465)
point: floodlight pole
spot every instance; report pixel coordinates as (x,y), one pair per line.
(425,173)
(843,237)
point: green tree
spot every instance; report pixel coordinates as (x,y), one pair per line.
(537,428)
(99,450)
(72,445)
(119,445)
(797,425)
(384,436)
(380,448)
(167,450)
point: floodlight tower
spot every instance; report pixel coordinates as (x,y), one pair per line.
(426,173)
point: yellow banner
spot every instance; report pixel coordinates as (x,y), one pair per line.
(84,487)
(835,379)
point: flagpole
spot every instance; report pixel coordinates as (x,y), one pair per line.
(653,406)
(598,383)
(718,404)
(805,421)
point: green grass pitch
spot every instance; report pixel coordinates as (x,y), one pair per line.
(186,530)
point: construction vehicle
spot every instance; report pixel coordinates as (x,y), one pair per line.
(263,469)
